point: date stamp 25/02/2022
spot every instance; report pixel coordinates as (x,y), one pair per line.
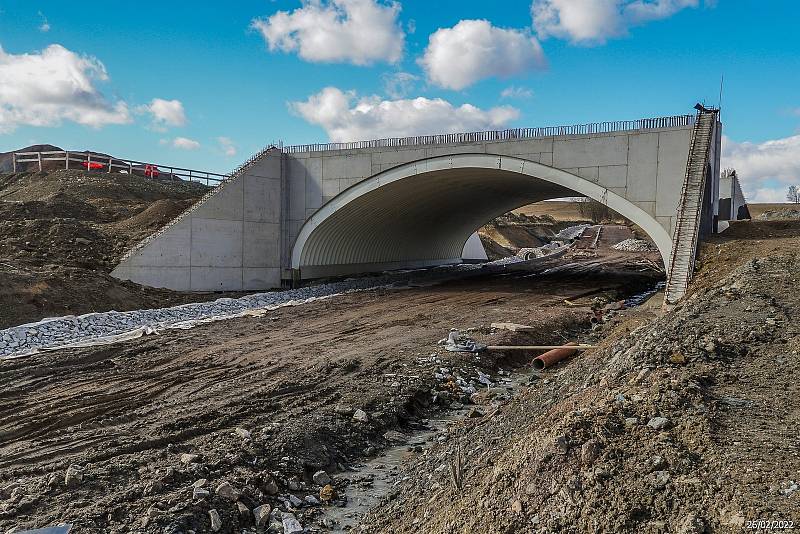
(769,524)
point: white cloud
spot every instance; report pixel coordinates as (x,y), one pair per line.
(182,143)
(516,92)
(472,50)
(399,84)
(165,113)
(346,117)
(595,21)
(227,146)
(54,85)
(44,27)
(765,169)
(766,195)
(337,31)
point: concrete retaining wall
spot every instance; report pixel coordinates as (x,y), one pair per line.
(231,242)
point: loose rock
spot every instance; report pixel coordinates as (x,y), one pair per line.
(216,521)
(226,491)
(322,478)
(291,524)
(261,514)
(658,423)
(187,458)
(327,493)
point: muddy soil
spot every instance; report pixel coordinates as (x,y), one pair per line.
(101,438)
(686,422)
(62,232)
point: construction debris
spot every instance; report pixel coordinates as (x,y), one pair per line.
(574,346)
(456,342)
(513,327)
(635,245)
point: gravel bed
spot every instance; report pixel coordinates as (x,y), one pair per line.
(69,330)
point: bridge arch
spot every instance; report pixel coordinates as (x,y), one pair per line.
(421,213)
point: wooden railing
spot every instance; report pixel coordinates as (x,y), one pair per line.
(108,164)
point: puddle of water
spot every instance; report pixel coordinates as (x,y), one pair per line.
(638,299)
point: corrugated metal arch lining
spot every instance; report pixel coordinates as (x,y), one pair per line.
(424,217)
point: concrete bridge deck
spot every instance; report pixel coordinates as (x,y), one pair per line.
(319,210)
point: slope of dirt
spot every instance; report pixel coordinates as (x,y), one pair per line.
(7,162)
(505,235)
(62,232)
(291,382)
(559,210)
(685,423)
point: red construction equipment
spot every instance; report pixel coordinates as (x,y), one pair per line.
(92,165)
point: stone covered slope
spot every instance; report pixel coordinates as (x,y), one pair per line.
(686,423)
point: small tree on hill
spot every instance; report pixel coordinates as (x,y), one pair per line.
(793,194)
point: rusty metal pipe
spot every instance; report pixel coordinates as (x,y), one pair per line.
(551,357)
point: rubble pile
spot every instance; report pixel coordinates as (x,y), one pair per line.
(780,214)
(635,245)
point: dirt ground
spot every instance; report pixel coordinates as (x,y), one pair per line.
(62,232)
(687,422)
(125,414)
(558,210)
(505,235)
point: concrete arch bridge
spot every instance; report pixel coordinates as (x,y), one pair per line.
(324,210)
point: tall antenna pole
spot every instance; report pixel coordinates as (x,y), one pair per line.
(721,83)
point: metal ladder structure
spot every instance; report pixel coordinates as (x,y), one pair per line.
(687,228)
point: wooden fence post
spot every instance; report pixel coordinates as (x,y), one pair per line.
(39,156)
(66,160)
(14,161)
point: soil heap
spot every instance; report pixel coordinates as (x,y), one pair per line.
(507,234)
(62,232)
(686,422)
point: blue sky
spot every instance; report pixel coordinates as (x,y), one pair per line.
(204,87)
